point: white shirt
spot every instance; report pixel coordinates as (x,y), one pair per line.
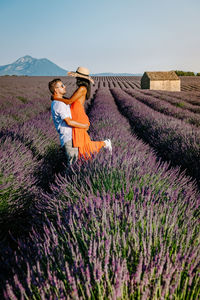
(60,111)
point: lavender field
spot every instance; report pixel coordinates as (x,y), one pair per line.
(120,226)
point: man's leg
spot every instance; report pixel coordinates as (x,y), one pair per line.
(70,152)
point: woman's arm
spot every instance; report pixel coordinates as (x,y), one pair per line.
(83,96)
(78,94)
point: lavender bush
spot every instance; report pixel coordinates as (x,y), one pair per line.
(115,227)
(190,83)
(191,97)
(174,101)
(115,248)
(174,140)
(165,107)
(118,227)
(17,167)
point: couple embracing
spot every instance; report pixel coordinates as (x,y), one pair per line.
(70,119)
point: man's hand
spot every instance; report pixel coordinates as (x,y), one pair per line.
(87,128)
(75,124)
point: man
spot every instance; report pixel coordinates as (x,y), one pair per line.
(62,117)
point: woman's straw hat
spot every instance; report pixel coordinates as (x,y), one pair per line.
(81,72)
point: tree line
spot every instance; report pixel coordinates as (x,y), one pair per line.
(186,73)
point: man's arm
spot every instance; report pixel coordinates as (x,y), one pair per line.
(75,124)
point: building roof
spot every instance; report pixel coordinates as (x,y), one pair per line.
(170,75)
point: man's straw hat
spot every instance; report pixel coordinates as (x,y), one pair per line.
(81,72)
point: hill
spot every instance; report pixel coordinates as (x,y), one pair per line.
(30,66)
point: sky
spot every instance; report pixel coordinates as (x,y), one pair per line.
(120,36)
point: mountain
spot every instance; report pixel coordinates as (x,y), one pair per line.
(30,66)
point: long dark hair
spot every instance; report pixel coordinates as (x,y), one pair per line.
(84,82)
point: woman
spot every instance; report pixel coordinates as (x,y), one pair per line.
(80,137)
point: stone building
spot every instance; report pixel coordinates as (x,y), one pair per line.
(167,81)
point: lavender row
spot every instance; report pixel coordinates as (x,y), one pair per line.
(17,169)
(110,248)
(190,83)
(15,115)
(165,107)
(124,226)
(173,139)
(174,101)
(117,81)
(191,97)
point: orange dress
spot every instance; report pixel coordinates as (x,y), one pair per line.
(80,137)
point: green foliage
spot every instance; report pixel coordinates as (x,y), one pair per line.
(24,100)
(5,193)
(184,73)
(180,104)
